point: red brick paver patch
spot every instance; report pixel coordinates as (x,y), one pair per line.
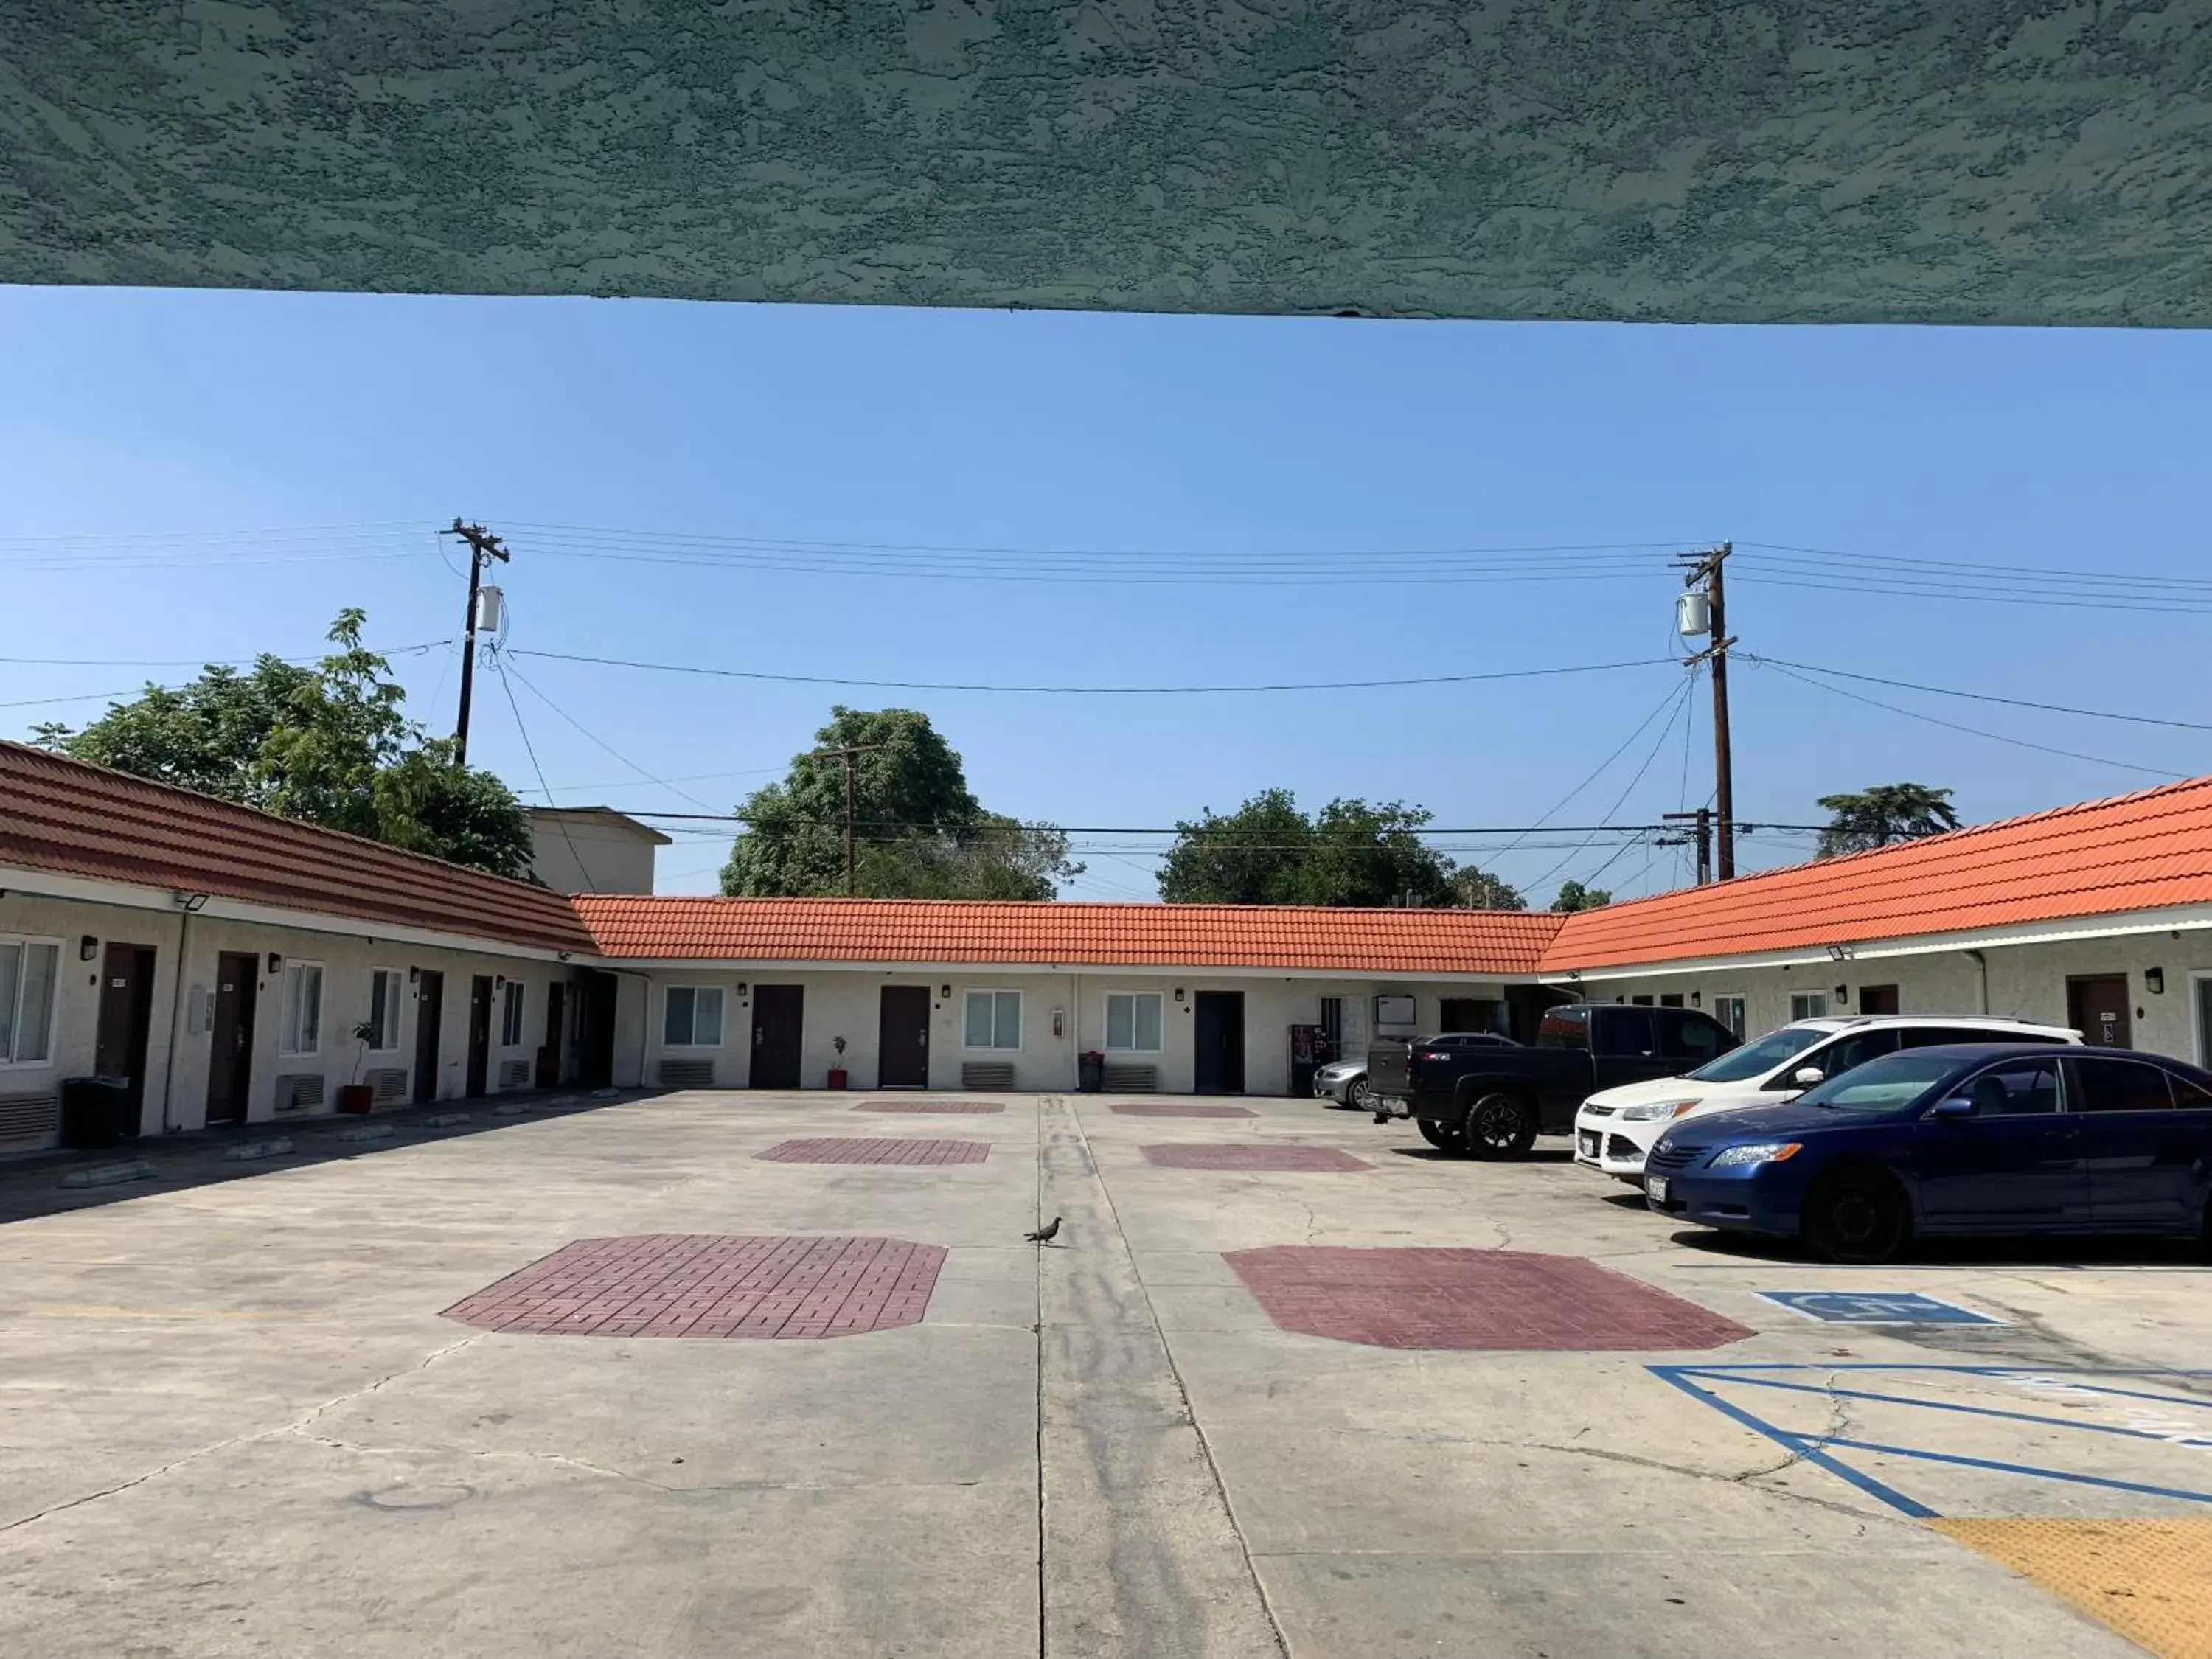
(1171,1109)
(1234,1156)
(974,1108)
(884,1150)
(708,1284)
(1438,1298)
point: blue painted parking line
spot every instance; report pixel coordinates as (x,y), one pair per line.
(1876,1308)
(1704,1383)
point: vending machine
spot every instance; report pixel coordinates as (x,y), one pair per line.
(1309,1052)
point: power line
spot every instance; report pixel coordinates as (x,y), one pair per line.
(1216,828)
(1981,696)
(609,748)
(1096,690)
(199,662)
(1681,703)
(1664,704)
(1973,731)
(531,750)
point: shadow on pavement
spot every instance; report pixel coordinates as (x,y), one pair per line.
(2058,1254)
(33,1187)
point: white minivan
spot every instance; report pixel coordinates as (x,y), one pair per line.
(1615,1127)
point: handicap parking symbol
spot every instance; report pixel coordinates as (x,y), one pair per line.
(1876,1308)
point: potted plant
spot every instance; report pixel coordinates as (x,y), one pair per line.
(357,1096)
(837,1072)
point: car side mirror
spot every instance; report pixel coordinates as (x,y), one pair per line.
(1956,1109)
(1805,1077)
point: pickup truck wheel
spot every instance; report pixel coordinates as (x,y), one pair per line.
(1501,1126)
(1856,1216)
(1442,1136)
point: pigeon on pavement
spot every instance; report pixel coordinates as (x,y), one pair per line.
(1045,1234)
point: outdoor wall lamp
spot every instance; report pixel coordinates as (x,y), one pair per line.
(190,903)
(1840,953)
(944,992)
(87,948)
(1697,999)
(1843,994)
(413,975)
(1178,993)
(741,987)
(2155,981)
(276,963)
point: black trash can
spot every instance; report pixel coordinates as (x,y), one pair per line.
(97,1111)
(1090,1071)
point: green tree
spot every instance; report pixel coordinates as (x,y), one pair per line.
(1883,814)
(1252,855)
(1478,889)
(330,745)
(1573,895)
(922,834)
(1268,852)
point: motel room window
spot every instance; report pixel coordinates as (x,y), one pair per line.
(302,1031)
(29,968)
(1133,1022)
(510,1015)
(387,987)
(692,1017)
(1729,1012)
(1807,1004)
(995,1019)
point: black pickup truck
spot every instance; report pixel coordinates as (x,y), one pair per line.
(1492,1101)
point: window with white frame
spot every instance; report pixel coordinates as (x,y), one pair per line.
(1730,1011)
(301,1030)
(1807,1004)
(995,1019)
(387,988)
(1133,1022)
(510,1016)
(692,1017)
(29,970)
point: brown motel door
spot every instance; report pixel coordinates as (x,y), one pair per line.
(903,1038)
(779,1017)
(2098,1008)
(126,1016)
(230,1052)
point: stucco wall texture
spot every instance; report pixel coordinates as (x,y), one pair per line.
(1983,160)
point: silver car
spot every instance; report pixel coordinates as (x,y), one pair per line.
(1344,1082)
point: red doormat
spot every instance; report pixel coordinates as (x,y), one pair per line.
(1438,1298)
(710,1284)
(1169,1109)
(878,1151)
(1234,1156)
(971,1107)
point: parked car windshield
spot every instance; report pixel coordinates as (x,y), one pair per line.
(1757,1059)
(1883,1085)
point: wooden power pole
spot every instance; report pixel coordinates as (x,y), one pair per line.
(851,757)
(484,547)
(1707,569)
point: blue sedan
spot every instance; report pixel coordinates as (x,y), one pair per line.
(1972,1138)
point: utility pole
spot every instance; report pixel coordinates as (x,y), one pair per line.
(1706,568)
(1702,838)
(484,546)
(850,756)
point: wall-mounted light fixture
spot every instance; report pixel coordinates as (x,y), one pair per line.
(1697,999)
(945,992)
(499,982)
(563,955)
(413,975)
(1843,994)
(1841,952)
(1178,993)
(2155,981)
(190,903)
(276,963)
(87,948)
(741,987)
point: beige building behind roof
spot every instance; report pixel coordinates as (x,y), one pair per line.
(591,849)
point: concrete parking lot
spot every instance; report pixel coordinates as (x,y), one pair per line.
(382,1397)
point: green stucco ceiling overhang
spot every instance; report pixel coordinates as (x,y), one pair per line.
(1988,161)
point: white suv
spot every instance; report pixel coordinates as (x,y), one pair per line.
(1615,1127)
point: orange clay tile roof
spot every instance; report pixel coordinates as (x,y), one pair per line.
(77,819)
(2130,853)
(1070,934)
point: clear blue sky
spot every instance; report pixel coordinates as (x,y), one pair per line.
(147,418)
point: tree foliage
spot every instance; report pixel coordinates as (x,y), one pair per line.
(1269,852)
(921,832)
(1478,889)
(1573,895)
(1884,813)
(330,745)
